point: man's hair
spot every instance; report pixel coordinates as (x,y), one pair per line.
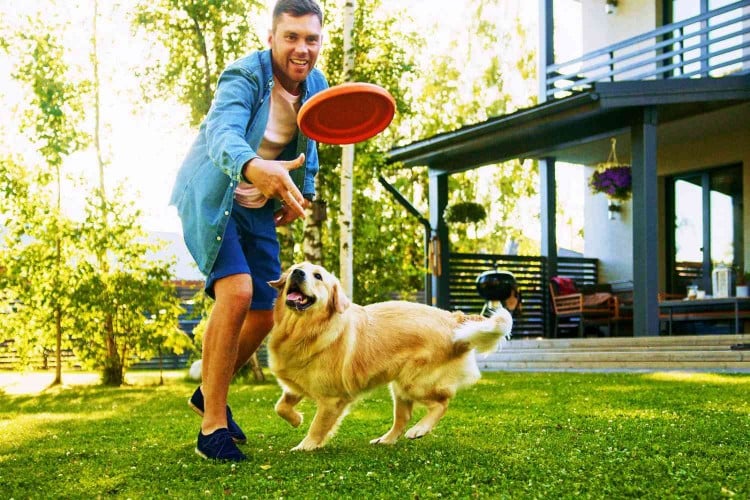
(296,8)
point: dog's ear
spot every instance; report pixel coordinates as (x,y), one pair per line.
(339,302)
(279,283)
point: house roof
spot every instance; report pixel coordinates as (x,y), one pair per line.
(577,128)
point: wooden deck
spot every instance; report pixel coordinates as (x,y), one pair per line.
(713,353)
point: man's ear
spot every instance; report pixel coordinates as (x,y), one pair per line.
(339,301)
(279,283)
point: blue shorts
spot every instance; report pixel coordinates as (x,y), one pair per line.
(249,246)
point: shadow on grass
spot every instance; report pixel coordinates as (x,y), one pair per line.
(531,435)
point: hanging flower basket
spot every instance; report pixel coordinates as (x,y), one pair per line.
(612,178)
(466,212)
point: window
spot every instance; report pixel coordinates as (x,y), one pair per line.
(705,228)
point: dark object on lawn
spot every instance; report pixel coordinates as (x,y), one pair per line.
(499,286)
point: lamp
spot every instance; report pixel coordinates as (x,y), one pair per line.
(612,209)
(610,7)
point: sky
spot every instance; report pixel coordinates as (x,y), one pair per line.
(146,143)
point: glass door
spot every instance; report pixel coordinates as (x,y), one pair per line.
(705,228)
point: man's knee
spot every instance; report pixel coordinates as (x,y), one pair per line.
(236,289)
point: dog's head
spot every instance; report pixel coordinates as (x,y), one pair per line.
(307,287)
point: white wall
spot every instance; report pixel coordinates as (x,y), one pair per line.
(632,18)
(611,241)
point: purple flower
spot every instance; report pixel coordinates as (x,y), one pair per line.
(615,182)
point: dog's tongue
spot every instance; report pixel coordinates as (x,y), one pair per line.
(294,296)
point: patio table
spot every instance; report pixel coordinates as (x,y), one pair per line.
(736,308)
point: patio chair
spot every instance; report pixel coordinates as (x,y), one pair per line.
(575,309)
(623,307)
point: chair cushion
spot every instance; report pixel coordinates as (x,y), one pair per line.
(596,299)
(565,286)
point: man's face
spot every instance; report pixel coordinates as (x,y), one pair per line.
(295,45)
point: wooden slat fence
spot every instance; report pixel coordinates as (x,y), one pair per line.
(10,360)
(532,275)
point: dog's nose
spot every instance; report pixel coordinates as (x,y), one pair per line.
(298,275)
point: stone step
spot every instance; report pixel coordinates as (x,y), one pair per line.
(730,367)
(623,356)
(698,352)
(608,343)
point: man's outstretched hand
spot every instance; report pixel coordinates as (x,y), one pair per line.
(272,178)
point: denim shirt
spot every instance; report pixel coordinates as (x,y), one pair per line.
(227,139)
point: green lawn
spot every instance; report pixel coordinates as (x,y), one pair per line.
(513,435)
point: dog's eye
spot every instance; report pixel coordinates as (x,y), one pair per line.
(318,276)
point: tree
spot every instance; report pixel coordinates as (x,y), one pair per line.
(475,79)
(434,93)
(25,305)
(53,124)
(387,257)
(200,38)
(51,263)
(130,311)
(346,238)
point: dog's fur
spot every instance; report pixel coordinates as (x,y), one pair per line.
(328,349)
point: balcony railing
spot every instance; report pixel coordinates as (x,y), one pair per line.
(713,44)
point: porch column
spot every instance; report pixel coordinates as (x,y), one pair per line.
(546,51)
(439,244)
(548,198)
(548,212)
(645,224)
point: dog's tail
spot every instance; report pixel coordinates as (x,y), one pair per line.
(483,334)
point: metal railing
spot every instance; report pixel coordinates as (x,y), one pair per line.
(713,44)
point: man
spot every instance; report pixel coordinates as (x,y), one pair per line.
(248,157)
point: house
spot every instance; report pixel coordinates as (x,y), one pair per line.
(669,80)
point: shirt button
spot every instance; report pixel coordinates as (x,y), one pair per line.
(226,212)
(218,238)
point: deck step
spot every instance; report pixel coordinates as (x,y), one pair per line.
(698,352)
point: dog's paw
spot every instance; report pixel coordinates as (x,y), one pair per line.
(294,419)
(307,445)
(384,439)
(418,431)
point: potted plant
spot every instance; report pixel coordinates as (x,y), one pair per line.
(614,180)
(465,212)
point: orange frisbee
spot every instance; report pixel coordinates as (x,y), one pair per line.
(347,113)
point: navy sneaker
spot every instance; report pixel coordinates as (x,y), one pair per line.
(219,446)
(196,403)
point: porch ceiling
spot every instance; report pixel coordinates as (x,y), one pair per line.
(577,129)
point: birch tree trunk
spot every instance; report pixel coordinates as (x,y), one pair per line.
(346,250)
(312,244)
(113,375)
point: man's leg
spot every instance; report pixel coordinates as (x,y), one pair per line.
(221,345)
(255,327)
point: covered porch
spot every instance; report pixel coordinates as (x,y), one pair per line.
(648,119)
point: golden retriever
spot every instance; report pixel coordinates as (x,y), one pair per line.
(328,349)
